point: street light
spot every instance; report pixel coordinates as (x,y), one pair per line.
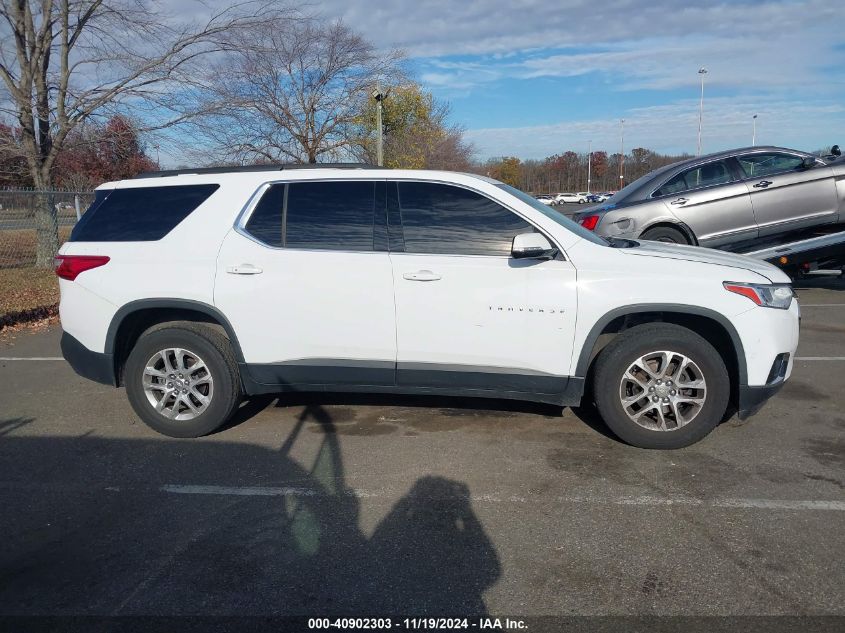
(754,130)
(701,71)
(589,165)
(621,152)
(379,96)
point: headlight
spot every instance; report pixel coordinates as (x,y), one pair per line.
(768,295)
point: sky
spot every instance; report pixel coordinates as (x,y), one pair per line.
(531,78)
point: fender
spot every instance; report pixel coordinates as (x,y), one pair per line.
(595,331)
(179,304)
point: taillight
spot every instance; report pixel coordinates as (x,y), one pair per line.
(70,266)
(589,222)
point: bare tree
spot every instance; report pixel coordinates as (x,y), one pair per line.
(290,90)
(65,61)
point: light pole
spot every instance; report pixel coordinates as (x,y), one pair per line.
(589,165)
(621,153)
(701,71)
(158,162)
(754,130)
(379,96)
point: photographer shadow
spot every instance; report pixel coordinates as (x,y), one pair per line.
(205,527)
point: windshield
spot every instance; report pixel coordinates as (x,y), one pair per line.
(558,217)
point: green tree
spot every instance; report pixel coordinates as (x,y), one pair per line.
(417,134)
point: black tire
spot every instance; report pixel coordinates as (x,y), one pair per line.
(615,359)
(665,234)
(213,348)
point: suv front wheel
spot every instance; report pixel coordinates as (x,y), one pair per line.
(182,379)
(660,385)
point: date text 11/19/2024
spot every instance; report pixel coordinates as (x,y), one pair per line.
(418,624)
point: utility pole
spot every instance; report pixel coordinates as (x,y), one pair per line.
(701,71)
(589,165)
(378,95)
(621,153)
(754,130)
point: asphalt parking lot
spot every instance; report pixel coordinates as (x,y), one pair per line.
(355,505)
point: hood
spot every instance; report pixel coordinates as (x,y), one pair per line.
(708,256)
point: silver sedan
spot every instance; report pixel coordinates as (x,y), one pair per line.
(726,198)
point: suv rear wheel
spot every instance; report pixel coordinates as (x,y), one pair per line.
(660,385)
(182,380)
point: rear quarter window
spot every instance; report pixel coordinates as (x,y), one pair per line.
(139,214)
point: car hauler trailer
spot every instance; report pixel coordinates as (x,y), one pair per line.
(819,251)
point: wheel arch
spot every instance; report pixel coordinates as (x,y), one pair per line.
(673,224)
(132,319)
(715,327)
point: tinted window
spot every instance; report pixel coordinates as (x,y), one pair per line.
(716,173)
(330,215)
(765,164)
(139,214)
(443,219)
(265,223)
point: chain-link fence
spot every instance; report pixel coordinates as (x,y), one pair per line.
(19,222)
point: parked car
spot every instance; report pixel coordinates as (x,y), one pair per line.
(725,198)
(195,288)
(583,195)
(595,197)
(570,198)
(547,200)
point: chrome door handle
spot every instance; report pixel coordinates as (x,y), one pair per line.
(680,201)
(244,269)
(422,275)
(763,184)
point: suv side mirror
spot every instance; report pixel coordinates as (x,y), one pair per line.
(532,246)
(809,161)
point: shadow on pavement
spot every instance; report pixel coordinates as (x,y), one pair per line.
(111,526)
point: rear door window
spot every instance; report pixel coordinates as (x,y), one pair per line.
(139,214)
(317,215)
(708,175)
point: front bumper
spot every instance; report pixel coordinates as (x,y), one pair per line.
(95,366)
(752,399)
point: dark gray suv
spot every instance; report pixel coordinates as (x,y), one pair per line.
(725,198)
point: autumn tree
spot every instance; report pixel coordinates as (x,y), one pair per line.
(99,153)
(65,62)
(416,131)
(507,169)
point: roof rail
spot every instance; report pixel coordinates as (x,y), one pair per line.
(249,168)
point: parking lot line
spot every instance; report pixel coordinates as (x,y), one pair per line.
(760,504)
(823,305)
(820,358)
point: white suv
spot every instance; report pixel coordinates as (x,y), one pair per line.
(195,288)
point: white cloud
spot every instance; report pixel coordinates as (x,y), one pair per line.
(434,28)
